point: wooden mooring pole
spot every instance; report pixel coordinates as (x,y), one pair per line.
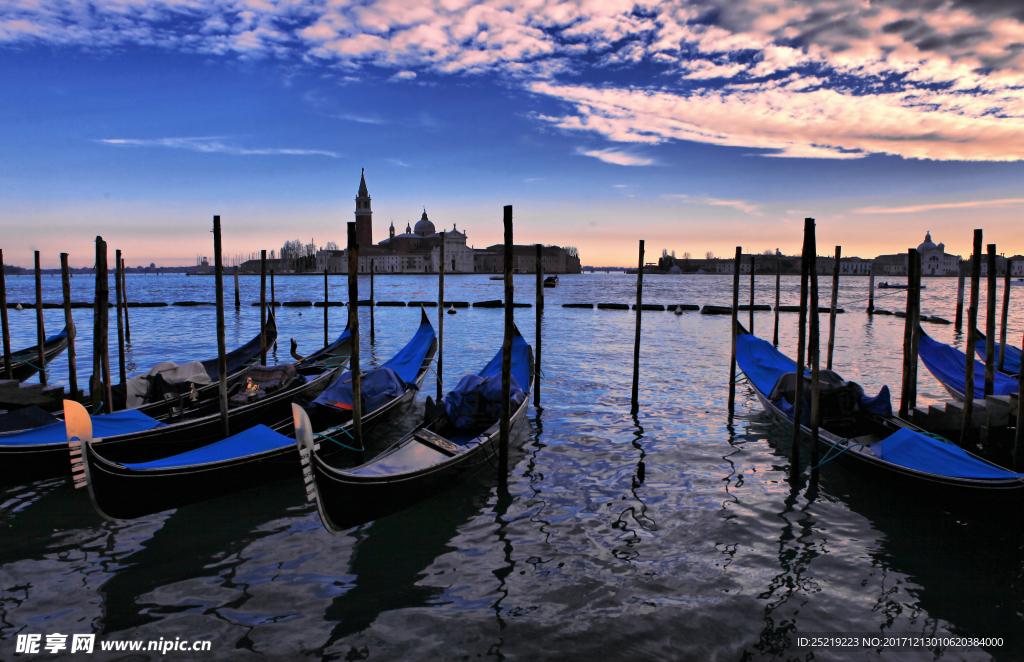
(540,316)
(961,269)
(1002,321)
(6,330)
(69,322)
(121,369)
(124,301)
(263,307)
(832,312)
(635,401)
(814,350)
(238,299)
(373,301)
(915,337)
(735,322)
(1018,443)
(40,330)
(326,306)
(871,288)
(906,397)
(990,325)
(972,323)
(504,431)
(801,347)
(353,325)
(440,321)
(101,355)
(222,361)
(778,293)
(753,265)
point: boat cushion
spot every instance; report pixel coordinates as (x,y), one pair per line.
(106,425)
(259,439)
(920,452)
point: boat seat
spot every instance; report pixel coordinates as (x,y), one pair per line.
(867,440)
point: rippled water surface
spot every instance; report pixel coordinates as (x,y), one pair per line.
(672,535)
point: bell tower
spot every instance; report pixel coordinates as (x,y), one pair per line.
(364,215)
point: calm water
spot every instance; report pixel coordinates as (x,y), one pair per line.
(672,535)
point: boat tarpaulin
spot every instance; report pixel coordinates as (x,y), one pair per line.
(477,398)
(948,364)
(254,440)
(764,365)
(914,450)
(106,425)
(1011,362)
(386,382)
(26,418)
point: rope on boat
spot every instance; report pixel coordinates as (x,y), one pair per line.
(829,459)
(98,409)
(347,433)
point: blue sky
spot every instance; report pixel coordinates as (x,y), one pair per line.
(694,126)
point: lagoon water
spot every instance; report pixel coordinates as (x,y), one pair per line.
(673,535)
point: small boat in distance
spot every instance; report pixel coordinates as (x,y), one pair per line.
(497,278)
(896,286)
(551,281)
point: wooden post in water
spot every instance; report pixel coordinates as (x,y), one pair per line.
(263,307)
(1018,443)
(6,330)
(961,269)
(778,291)
(69,322)
(373,299)
(753,264)
(1002,321)
(832,312)
(504,430)
(915,337)
(222,361)
(101,390)
(735,322)
(440,320)
(814,351)
(273,301)
(353,325)
(906,396)
(540,315)
(871,288)
(40,330)
(121,370)
(636,341)
(990,325)
(972,323)
(326,306)
(238,299)
(124,300)
(801,347)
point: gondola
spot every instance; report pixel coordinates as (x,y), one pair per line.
(551,281)
(135,436)
(25,362)
(436,455)
(862,434)
(896,286)
(264,452)
(948,365)
(1011,362)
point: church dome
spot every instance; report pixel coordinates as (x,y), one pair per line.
(424,226)
(927,245)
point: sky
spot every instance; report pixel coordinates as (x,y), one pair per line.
(695,126)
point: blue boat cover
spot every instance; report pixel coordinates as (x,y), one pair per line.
(914,450)
(107,425)
(948,364)
(477,398)
(386,382)
(254,440)
(763,364)
(1011,362)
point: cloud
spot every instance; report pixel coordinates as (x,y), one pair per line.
(212,145)
(740,205)
(362,119)
(837,79)
(616,156)
(398,162)
(913,209)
